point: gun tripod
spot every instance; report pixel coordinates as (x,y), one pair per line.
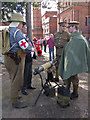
(45,86)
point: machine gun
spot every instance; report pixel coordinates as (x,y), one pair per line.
(47,66)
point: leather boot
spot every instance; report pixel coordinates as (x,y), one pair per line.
(17,104)
(24,92)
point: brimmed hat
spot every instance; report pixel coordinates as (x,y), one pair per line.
(17,17)
(14,24)
(63,24)
(74,23)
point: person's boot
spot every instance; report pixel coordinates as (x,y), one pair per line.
(24,92)
(31,87)
(74,94)
(19,97)
(17,104)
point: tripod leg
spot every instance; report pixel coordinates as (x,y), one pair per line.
(38,96)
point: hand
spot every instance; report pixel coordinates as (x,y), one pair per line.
(33,49)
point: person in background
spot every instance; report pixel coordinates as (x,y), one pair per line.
(60,39)
(41,43)
(35,40)
(50,42)
(72,61)
(15,59)
(44,44)
(28,66)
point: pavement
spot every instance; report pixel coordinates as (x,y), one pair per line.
(46,107)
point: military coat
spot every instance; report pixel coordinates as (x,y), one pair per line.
(60,39)
(75,57)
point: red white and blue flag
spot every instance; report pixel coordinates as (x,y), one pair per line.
(23,44)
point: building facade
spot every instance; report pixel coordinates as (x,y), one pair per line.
(76,12)
(49,23)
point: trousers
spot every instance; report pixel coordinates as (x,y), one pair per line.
(15,73)
(51,53)
(75,81)
(27,72)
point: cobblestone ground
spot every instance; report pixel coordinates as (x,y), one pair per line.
(46,107)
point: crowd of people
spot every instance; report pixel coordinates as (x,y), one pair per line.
(70,62)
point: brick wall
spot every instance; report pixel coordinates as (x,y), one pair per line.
(37,24)
(53,25)
(77,13)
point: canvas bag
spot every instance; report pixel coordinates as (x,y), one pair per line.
(5,41)
(63,97)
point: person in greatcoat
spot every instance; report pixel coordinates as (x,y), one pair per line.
(75,58)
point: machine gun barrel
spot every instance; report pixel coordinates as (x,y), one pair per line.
(44,67)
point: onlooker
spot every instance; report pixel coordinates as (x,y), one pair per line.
(60,39)
(35,40)
(41,43)
(44,44)
(72,61)
(50,42)
(15,59)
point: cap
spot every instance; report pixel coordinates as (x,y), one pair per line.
(75,23)
(62,24)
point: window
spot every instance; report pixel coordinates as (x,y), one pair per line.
(69,3)
(45,30)
(65,21)
(89,21)
(85,21)
(68,20)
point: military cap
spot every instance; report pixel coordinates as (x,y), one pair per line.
(75,23)
(62,24)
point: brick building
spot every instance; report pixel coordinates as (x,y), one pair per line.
(76,12)
(37,23)
(49,23)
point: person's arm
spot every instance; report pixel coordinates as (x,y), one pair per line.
(23,44)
